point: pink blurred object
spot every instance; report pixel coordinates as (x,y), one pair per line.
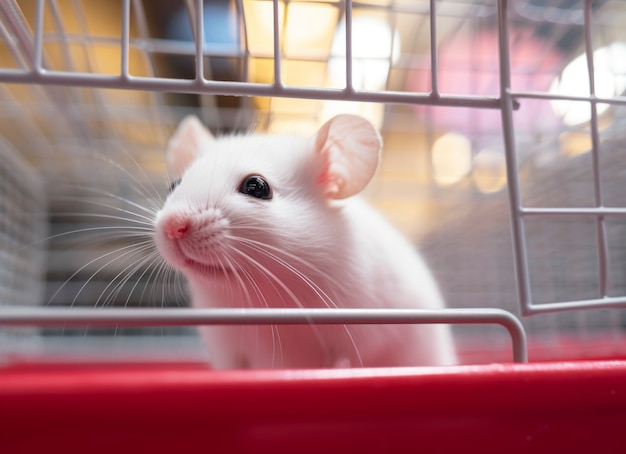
(468,65)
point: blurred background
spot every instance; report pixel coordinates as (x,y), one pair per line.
(77,159)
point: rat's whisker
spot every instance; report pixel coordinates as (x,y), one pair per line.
(266,272)
(230,264)
(86,265)
(132,214)
(96,233)
(254,283)
(128,273)
(101,229)
(271,277)
(166,274)
(275,334)
(159,272)
(292,257)
(141,220)
(259,247)
(152,258)
(114,196)
(138,187)
(136,250)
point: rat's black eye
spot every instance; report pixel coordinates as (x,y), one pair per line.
(173,186)
(256,186)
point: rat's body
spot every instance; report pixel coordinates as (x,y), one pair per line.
(260,221)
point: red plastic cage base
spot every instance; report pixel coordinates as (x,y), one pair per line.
(505,408)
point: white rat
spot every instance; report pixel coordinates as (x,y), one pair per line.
(270,221)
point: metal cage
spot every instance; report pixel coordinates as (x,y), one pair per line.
(503,128)
(78,76)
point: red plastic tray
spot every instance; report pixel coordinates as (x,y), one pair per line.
(505,408)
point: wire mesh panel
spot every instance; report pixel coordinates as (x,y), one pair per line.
(22,229)
(23,224)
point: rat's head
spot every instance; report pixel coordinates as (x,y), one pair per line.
(240,205)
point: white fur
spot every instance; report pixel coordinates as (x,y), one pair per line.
(302,248)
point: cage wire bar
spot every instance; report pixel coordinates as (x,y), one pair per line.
(39,74)
(221,316)
(35,71)
(518,212)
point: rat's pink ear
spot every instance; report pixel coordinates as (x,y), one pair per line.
(350,147)
(186,144)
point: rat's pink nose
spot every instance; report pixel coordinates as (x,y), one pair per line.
(176,227)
